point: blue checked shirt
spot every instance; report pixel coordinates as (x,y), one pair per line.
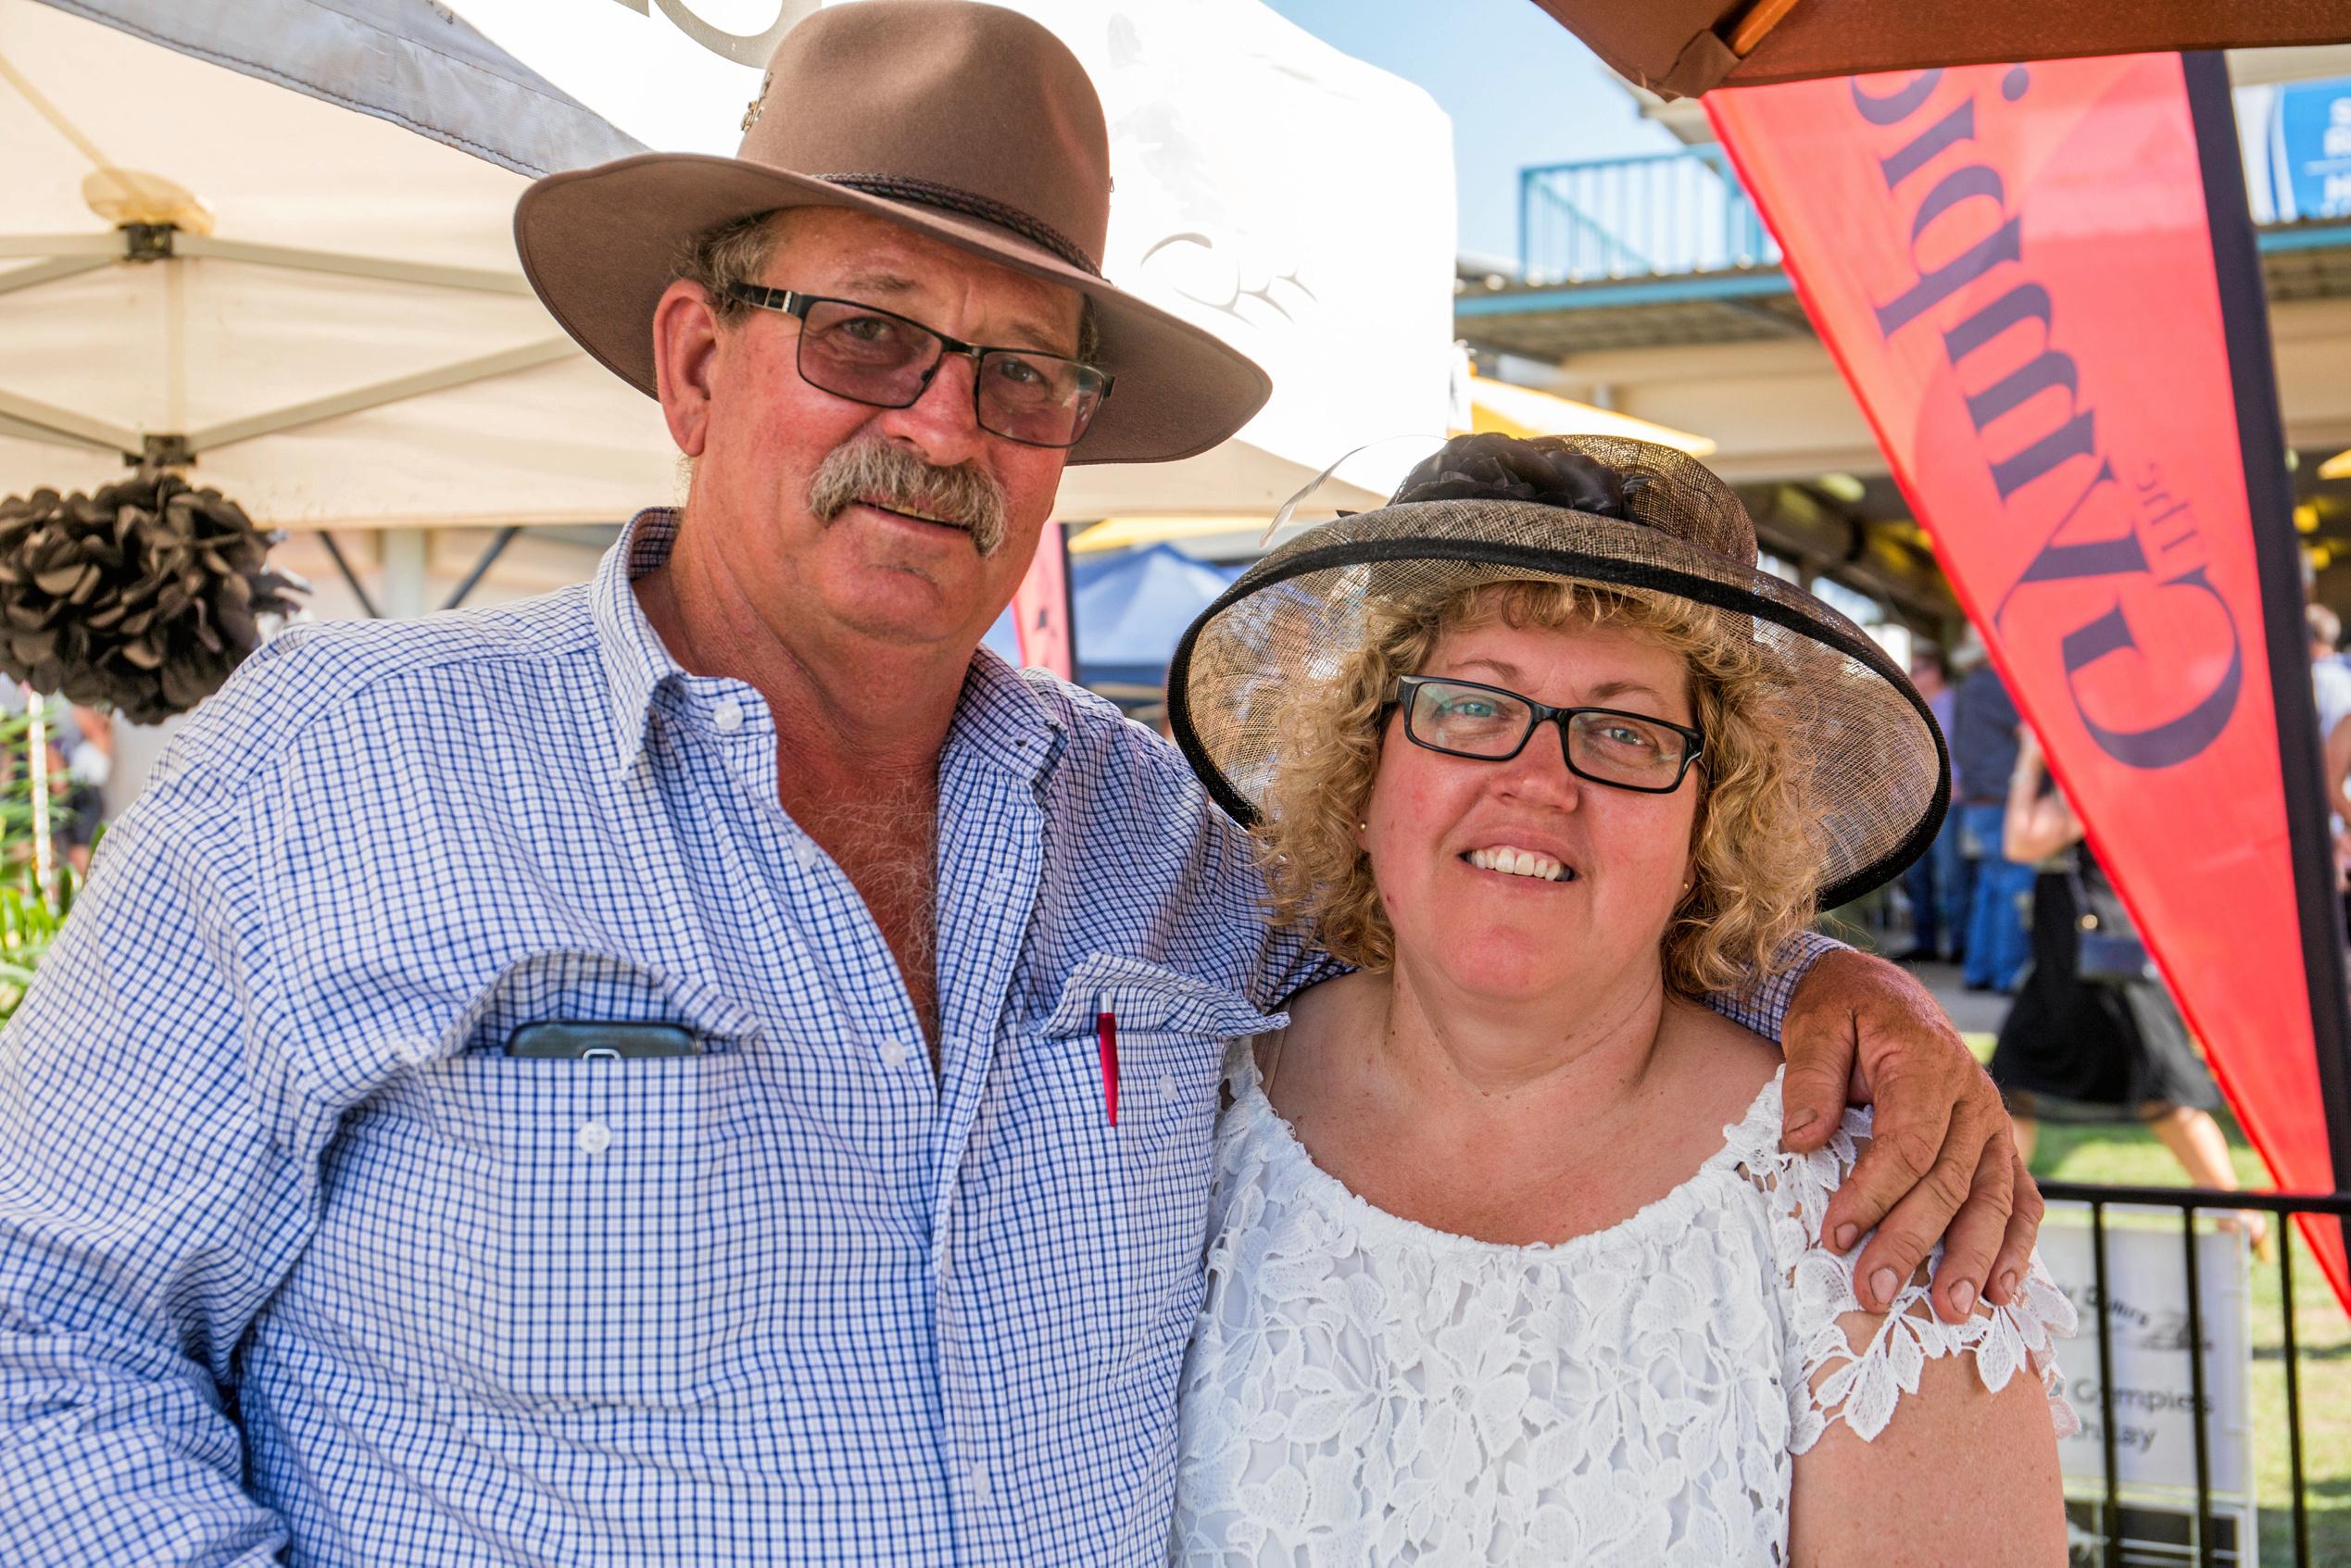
(295,1260)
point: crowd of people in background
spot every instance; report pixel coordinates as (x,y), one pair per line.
(2013,894)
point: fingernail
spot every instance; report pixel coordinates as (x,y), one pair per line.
(1963,1296)
(1881,1286)
(1846,1236)
(2008,1286)
(1801,1120)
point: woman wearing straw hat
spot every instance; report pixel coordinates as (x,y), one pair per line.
(1538,742)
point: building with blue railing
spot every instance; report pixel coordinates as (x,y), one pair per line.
(1650,285)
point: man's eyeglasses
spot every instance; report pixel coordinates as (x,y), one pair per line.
(874,357)
(1493,725)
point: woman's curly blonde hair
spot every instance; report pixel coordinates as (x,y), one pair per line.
(1757,865)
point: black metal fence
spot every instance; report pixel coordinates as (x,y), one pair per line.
(2129,1535)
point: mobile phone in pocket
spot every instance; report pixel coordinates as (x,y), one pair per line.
(586,1040)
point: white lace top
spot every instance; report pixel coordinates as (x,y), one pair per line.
(1361,1388)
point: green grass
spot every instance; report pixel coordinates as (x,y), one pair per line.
(2128,1155)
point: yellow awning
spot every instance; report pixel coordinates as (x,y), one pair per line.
(1124,533)
(1498,408)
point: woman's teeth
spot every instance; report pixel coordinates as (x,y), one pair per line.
(1517,862)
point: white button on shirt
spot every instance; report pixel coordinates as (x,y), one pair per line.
(893,1054)
(594,1137)
(727,717)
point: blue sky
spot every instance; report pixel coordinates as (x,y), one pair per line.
(1519,87)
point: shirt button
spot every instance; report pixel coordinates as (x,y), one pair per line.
(804,853)
(980,1490)
(414,1051)
(893,1054)
(727,717)
(1167,1088)
(594,1137)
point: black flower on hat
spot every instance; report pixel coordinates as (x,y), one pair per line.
(1503,467)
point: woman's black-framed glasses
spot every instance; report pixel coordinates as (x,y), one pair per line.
(1493,725)
(877,356)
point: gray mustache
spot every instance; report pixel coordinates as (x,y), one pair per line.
(890,475)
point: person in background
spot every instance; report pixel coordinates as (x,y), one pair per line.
(2330,677)
(1983,753)
(1936,880)
(88,745)
(2093,1047)
(2330,690)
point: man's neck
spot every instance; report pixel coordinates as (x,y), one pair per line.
(860,726)
(850,711)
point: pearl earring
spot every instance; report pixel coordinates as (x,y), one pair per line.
(1363,827)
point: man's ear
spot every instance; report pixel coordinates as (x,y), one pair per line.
(685,341)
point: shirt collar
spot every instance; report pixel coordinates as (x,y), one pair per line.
(999,713)
(635,661)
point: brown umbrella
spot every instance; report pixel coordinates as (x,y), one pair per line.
(1680,48)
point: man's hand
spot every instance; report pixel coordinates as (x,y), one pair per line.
(1942,1164)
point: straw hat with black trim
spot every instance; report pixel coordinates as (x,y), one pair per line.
(1602,511)
(969,123)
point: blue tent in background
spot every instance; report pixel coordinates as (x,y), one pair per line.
(1130,607)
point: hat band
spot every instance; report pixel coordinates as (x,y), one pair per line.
(927,192)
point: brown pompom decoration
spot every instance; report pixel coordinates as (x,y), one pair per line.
(140,596)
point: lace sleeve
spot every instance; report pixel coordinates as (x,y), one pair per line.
(1834,1379)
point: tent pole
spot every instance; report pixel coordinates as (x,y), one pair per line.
(51,270)
(481,280)
(351,578)
(403,572)
(482,567)
(504,363)
(55,423)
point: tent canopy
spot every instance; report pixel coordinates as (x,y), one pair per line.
(337,333)
(1683,47)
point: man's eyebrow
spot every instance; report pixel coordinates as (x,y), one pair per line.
(890,288)
(859,284)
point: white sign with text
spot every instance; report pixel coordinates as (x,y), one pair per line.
(2147,1312)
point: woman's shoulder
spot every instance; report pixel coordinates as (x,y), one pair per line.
(1855,1364)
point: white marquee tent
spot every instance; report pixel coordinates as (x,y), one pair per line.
(204,253)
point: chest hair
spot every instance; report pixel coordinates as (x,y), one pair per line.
(888,845)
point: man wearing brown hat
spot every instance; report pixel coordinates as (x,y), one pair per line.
(756,1107)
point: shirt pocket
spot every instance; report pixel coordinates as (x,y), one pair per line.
(546,1228)
(1150,1174)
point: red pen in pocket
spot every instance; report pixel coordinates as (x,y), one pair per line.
(1106,1036)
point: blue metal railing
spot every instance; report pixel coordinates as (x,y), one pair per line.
(1654,215)
(1677,213)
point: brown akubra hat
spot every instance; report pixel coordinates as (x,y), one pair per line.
(966,122)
